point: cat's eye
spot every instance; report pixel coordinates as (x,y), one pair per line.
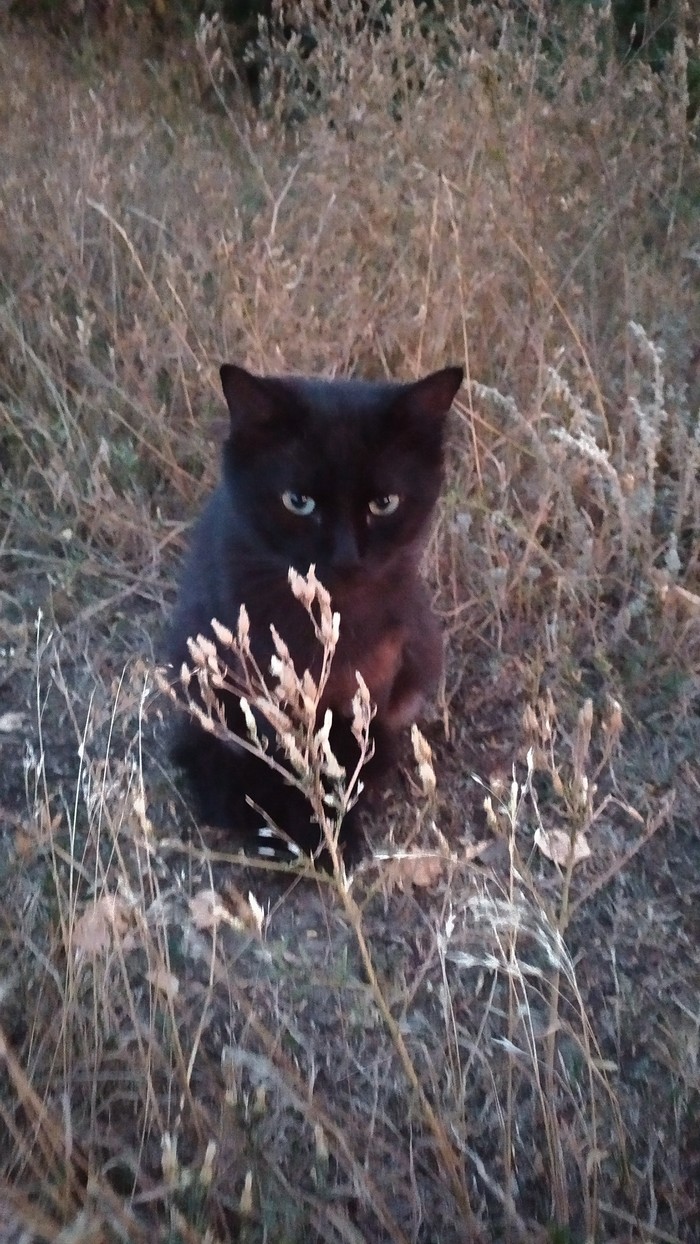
(382,506)
(298,503)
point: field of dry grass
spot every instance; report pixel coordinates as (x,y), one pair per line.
(494,1031)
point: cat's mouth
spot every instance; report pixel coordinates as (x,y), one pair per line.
(344,578)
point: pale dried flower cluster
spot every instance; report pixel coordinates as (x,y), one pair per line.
(281,707)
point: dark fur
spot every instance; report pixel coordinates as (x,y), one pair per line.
(342,443)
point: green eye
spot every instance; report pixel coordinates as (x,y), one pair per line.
(381,506)
(298,503)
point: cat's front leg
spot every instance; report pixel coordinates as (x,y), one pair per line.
(216,772)
(238,792)
(417,678)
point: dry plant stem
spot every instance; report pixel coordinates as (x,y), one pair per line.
(207,856)
(217,730)
(31,1164)
(445,1148)
(158,954)
(507,1145)
(241,131)
(559,1189)
(121,231)
(116,1212)
(654,824)
(170,467)
(311,593)
(51,1139)
(547,1090)
(575,335)
(423,312)
(27,1212)
(295,1087)
(454,225)
(580,750)
(83,1227)
(547,1086)
(648,1230)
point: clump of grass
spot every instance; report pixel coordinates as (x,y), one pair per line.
(135,949)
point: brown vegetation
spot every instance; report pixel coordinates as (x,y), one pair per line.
(493,1030)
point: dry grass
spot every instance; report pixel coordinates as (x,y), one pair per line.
(493,1029)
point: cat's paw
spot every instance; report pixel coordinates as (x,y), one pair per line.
(271,845)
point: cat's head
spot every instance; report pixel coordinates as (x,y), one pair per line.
(340,473)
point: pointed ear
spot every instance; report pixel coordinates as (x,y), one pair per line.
(251,399)
(433,395)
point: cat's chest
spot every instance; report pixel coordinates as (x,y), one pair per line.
(378,659)
(376,624)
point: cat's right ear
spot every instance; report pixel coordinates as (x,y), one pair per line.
(250,400)
(434,394)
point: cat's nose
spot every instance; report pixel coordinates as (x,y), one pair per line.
(346,555)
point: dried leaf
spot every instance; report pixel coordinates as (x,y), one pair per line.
(556,845)
(415,870)
(91,933)
(207,910)
(100,925)
(165,982)
(673,596)
(257,911)
(687,599)
(26,845)
(248,912)
(11,721)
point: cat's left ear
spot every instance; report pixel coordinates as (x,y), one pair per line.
(434,394)
(250,399)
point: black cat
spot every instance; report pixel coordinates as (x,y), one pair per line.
(342,474)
